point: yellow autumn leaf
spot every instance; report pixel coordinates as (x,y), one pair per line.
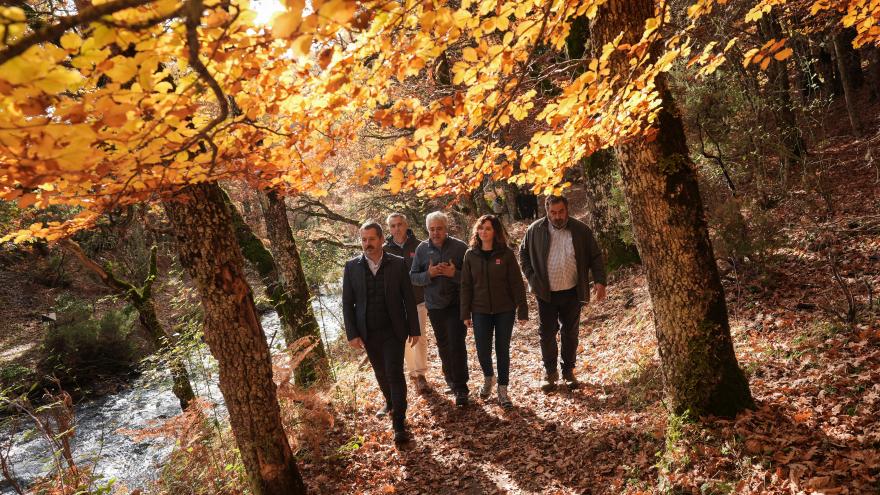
(59,79)
(339,11)
(287,23)
(124,68)
(395,181)
(71,41)
(783,54)
(302,45)
(469,54)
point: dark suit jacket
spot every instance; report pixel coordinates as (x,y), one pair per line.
(398,297)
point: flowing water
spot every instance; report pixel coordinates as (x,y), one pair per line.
(148,400)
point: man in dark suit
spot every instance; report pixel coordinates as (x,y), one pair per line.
(379,312)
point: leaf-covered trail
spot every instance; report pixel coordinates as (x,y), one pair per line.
(816,383)
(564,441)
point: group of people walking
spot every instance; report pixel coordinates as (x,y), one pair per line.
(399,282)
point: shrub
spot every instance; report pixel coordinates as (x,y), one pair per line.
(737,235)
(79,347)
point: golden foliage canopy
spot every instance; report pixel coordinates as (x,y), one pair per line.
(127,101)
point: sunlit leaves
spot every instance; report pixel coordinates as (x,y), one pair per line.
(772,49)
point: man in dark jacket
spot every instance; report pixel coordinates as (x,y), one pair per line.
(557,255)
(379,313)
(437,268)
(402,242)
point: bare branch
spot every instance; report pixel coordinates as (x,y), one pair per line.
(316,208)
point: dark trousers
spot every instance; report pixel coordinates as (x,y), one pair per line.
(450,332)
(501,325)
(385,352)
(562,314)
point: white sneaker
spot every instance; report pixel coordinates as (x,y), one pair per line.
(486,389)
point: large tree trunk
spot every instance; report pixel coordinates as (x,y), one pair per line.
(831,86)
(262,260)
(873,76)
(297,298)
(842,51)
(849,57)
(699,367)
(203,228)
(604,218)
(142,300)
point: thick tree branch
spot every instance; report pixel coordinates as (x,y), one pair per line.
(316,208)
(333,242)
(194,10)
(105,275)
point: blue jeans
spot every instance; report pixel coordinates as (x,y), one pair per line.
(501,324)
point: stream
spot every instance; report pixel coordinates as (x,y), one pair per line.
(147,400)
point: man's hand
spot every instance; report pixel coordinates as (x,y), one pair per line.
(447,269)
(434,270)
(413,340)
(356,342)
(468,323)
(600,292)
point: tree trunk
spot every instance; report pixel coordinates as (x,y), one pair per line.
(873,77)
(510,193)
(297,299)
(780,96)
(202,226)
(262,260)
(699,367)
(849,92)
(850,57)
(831,86)
(142,300)
(604,218)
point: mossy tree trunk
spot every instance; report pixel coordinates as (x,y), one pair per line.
(202,225)
(296,298)
(699,367)
(142,300)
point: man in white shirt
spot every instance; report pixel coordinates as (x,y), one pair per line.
(557,256)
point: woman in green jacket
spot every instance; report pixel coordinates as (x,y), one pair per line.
(492,292)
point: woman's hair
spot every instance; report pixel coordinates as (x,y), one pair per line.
(500,237)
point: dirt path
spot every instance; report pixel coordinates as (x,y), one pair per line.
(816,382)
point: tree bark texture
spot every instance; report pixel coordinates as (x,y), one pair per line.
(208,249)
(849,91)
(604,217)
(699,367)
(297,299)
(142,300)
(262,260)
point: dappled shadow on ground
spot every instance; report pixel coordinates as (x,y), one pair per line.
(777,450)
(516,450)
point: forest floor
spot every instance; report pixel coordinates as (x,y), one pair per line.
(815,380)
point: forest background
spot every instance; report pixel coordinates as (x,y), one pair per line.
(172,171)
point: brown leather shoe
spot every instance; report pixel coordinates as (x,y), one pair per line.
(570,379)
(549,382)
(421,383)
